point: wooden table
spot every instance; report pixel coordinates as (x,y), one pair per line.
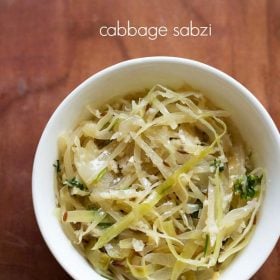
(48,47)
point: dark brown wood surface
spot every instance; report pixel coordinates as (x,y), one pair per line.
(48,47)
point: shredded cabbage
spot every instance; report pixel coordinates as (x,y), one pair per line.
(159,186)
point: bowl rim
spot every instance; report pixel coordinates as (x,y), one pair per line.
(138,61)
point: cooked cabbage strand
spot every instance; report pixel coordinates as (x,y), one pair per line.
(157,186)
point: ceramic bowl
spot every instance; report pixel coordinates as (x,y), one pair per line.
(252,120)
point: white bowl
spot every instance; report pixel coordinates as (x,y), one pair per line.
(253,121)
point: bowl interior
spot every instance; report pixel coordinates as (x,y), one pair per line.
(252,120)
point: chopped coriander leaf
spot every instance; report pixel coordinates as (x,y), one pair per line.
(246,186)
(57,166)
(206,244)
(254,180)
(74,183)
(217,164)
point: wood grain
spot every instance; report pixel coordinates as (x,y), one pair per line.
(48,47)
